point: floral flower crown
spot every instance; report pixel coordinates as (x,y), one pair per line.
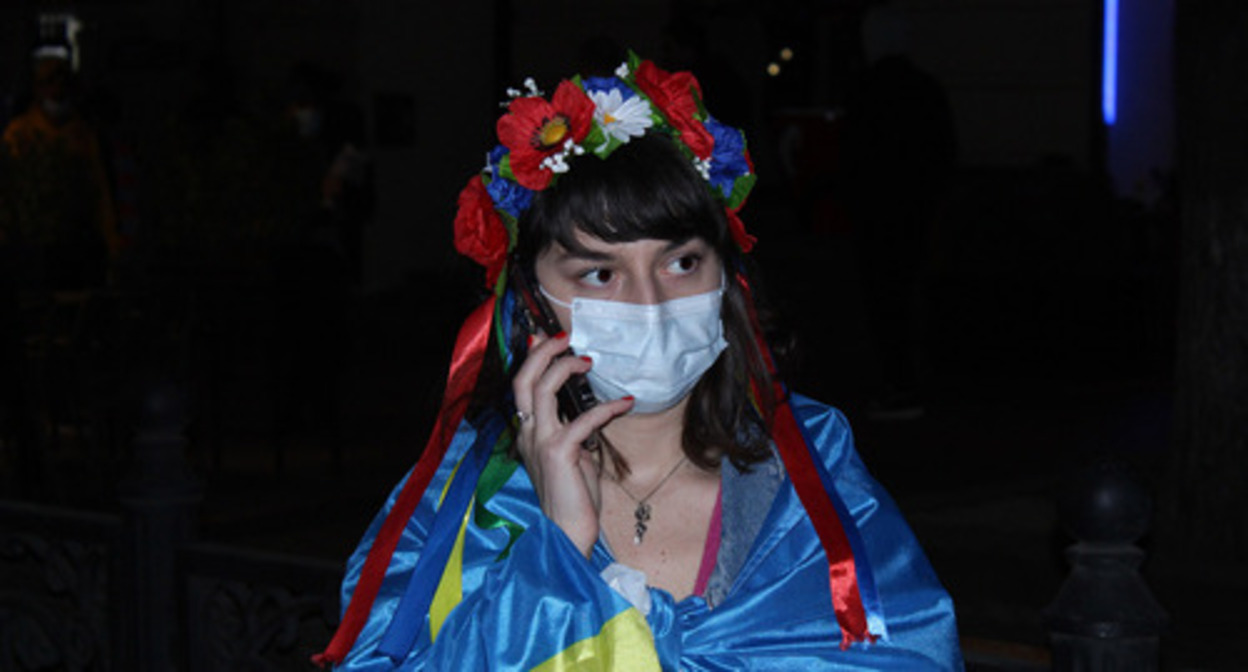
(595,115)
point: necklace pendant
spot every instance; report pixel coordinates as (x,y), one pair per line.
(642,514)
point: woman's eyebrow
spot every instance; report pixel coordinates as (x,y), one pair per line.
(584,254)
(674,244)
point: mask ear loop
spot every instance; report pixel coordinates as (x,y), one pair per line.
(551,298)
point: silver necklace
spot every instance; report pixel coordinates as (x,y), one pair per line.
(642,512)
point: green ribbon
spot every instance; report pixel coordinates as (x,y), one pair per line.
(495,474)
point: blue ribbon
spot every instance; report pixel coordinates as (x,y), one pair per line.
(410,615)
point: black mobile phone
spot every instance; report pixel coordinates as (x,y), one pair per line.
(575,396)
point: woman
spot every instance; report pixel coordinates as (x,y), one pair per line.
(693,515)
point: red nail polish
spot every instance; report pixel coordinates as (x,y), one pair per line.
(562,334)
(530,341)
(587,359)
(628,397)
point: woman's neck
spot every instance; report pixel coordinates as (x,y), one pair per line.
(649,442)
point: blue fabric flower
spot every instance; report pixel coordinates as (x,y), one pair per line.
(496,155)
(727,157)
(507,195)
(604,84)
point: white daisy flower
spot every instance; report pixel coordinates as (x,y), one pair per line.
(619,118)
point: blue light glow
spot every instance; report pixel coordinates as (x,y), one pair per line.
(1109,64)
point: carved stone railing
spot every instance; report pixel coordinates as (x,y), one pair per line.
(246,610)
(135,592)
(60,606)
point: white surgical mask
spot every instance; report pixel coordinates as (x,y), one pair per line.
(655,352)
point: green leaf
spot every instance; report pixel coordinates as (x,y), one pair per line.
(504,168)
(741,189)
(633,61)
(604,144)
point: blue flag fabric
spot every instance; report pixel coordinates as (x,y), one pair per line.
(543,606)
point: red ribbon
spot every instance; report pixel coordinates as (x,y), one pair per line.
(466,361)
(851,616)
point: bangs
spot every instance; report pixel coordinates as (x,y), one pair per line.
(646,189)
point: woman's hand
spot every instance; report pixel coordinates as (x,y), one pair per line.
(564,474)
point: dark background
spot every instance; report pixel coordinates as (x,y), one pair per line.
(1047,279)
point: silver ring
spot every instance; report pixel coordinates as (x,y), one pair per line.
(523,417)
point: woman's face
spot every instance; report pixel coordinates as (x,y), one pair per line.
(645,271)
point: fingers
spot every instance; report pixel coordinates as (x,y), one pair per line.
(545,390)
(583,426)
(563,475)
(535,388)
(541,351)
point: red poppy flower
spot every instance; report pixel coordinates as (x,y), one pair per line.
(534,129)
(479,232)
(677,95)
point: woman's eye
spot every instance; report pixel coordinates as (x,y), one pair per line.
(684,264)
(596,277)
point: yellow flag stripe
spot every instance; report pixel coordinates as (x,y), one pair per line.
(450,590)
(623,643)
(450,587)
(450,479)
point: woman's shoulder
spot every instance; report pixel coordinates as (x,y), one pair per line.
(831,440)
(826,428)
(812,411)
